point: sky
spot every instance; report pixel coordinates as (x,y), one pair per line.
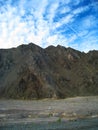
(69,23)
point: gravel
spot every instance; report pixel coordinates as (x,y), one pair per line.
(48,110)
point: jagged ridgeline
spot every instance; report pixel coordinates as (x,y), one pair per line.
(29,72)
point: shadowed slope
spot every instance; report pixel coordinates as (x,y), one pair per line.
(29,71)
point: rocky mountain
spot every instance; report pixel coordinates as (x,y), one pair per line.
(29,72)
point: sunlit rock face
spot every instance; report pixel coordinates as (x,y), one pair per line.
(31,72)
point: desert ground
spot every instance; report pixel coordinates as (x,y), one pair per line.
(48,110)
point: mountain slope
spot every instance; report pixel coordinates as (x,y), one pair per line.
(28,72)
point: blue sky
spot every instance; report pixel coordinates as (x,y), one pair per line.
(70,23)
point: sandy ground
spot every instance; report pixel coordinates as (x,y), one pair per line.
(47,110)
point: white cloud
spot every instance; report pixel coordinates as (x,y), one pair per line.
(80,10)
(89,21)
(65,1)
(57,39)
(66,9)
(88,42)
(52,11)
(51,39)
(86,45)
(76,2)
(65,20)
(16,31)
(94,4)
(83,33)
(34,28)
(33,21)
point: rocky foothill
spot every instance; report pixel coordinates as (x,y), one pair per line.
(31,72)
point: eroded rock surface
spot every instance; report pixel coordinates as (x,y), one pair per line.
(29,72)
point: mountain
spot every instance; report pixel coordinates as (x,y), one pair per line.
(31,72)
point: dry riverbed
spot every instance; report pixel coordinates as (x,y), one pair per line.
(47,110)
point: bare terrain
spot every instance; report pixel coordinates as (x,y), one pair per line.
(31,72)
(47,110)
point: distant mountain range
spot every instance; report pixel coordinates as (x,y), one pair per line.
(31,72)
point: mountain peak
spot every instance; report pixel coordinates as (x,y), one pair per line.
(30,71)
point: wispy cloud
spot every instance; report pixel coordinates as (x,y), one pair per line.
(80,10)
(65,9)
(48,22)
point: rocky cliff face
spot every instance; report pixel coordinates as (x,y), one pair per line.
(29,72)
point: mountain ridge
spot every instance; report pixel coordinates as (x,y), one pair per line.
(29,72)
